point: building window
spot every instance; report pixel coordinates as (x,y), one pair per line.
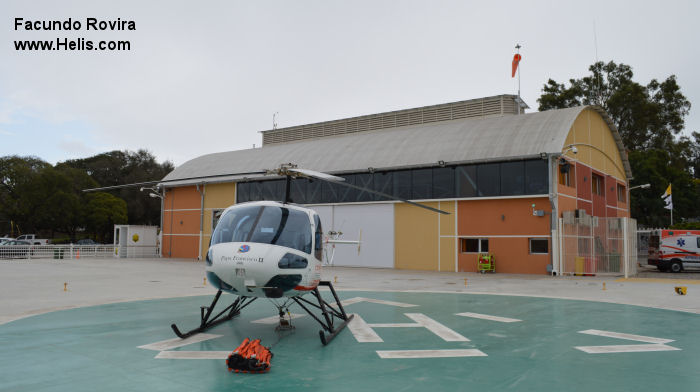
(461,181)
(566,174)
(512,178)
(539,246)
(597,183)
(536,178)
(488,179)
(474,245)
(466,180)
(621,194)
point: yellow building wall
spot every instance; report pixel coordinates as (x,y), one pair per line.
(425,240)
(448,244)
(216,196)
(448,247)
(596,144)
(416,237)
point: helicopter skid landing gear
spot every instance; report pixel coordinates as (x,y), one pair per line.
(205,313)
(329,314)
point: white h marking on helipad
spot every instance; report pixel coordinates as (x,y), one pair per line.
(364,333)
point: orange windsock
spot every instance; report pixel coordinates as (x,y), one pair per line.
(516,61)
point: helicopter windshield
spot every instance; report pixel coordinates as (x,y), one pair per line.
(265,225)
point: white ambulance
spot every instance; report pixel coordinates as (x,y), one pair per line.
(674,250)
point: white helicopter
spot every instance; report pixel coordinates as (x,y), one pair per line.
(274,250)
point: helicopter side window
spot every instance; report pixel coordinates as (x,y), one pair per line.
(318,246)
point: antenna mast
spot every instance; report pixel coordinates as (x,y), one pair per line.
(517,46)
(595,44)
(274,120)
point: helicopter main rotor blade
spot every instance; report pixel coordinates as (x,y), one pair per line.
(341,181)
(104,188)
(319,175)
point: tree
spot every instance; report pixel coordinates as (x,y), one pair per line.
(103,211)
(126,167)
(649,119)
(18,176)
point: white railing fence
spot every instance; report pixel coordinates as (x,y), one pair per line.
(76,251)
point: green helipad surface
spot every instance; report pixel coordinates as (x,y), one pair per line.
(534,344)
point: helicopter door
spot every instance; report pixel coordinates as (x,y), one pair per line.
(318,238)
(122,241)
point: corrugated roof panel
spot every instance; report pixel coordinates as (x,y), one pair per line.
(455,141)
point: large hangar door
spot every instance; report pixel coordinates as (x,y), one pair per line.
(377,224)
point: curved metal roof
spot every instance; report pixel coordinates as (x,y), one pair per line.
(455,141)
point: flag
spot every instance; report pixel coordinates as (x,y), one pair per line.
(516,61)
(667,198)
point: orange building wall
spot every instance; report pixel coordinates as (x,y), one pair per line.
(505,217)
(181,219)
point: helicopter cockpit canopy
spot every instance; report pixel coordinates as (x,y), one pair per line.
(265,225)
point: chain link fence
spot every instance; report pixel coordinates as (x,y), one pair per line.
(591,245)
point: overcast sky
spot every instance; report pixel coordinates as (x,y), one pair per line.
(206,76)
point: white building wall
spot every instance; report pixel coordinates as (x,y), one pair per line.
(377,224)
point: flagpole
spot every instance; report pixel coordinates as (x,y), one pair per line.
(517,46)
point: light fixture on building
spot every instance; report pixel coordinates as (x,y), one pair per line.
(370,169)
(441,163)
(543,155)
(643,186)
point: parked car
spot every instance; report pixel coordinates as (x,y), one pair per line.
(14,248)
(5,239)
(87,241)
(33,240)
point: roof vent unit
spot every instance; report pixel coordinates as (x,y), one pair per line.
(483,107)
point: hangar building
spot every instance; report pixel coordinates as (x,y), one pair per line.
(505,178)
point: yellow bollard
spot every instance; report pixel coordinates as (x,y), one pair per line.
(335,279)
(465,282)
(604,286)
(65,287)
(205,281)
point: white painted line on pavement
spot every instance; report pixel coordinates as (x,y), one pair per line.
(431,353)
(626,348)
(396,325)
(355,300)
(177,342)
(488,317)
(193,355)
(618,335)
